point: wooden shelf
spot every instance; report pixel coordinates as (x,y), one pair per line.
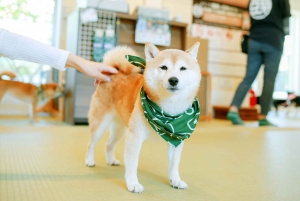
(134,17)
(126,30)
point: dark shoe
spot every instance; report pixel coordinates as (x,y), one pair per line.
(235,118)
(264,122)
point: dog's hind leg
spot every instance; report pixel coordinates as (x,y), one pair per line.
(117,131)
(98,126)
(174,159)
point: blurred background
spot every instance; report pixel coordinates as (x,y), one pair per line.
(72,25)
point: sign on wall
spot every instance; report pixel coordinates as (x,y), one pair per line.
(152,30)
(218,13)
(153,26)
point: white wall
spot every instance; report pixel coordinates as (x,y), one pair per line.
(295,4)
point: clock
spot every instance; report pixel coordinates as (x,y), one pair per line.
(197,10)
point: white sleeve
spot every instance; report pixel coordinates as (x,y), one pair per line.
(19,47)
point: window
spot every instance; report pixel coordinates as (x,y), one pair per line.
(33,19)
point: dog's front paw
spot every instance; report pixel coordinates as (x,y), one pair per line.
(135,188)
(179,184)
(89,162)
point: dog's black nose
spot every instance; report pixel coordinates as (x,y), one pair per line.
(173,81)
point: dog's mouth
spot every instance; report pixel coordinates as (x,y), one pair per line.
(173,89)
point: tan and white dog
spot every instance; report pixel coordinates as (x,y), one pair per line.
(171,79)
(29,93)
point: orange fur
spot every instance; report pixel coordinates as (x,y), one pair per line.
(121,63)
(123,97)
(122,93)
(10,74)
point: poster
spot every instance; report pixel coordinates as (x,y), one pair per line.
(219,38)
(152,30)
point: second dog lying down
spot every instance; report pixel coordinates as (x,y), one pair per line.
(168,88)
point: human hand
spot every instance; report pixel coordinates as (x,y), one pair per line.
(97,81)
(96,70)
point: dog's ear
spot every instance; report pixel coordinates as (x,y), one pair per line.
(150,51)
(193,51)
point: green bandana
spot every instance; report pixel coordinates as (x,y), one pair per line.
(173,129)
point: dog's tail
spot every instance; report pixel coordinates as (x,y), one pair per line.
(116,58)
(10,74)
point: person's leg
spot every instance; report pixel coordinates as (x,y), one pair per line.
(254,61)
(272,57)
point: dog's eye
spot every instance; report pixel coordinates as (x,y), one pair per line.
(183,68)
(164,68)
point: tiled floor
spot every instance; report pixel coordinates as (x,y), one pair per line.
(220,162)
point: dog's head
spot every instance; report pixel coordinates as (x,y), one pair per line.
(172,71)
(51,90)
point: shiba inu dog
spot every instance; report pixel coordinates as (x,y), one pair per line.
(171,80)
(35,96)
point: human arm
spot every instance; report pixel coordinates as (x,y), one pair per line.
(15,46)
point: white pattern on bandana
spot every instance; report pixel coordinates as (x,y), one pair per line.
(260,9)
